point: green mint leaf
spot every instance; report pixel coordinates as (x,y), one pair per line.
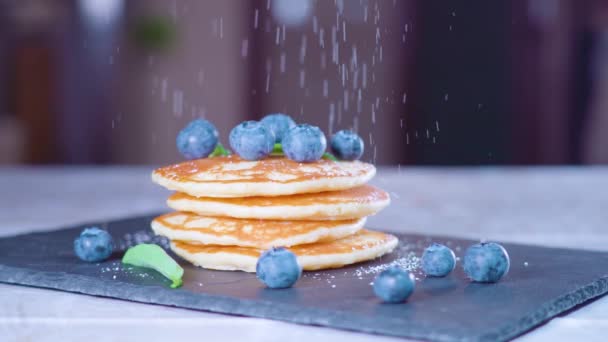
(154,257)
(277,150)
(219,150)
(329,156)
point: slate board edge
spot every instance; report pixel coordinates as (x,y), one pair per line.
(298,315)
(224,305)
(549,310)
(246,307)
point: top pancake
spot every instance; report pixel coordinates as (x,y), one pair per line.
(227,177)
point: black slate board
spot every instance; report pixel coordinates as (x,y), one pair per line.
(542,283)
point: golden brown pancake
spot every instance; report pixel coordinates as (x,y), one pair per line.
(264,234)
(361,246)
(274,176)
(352,203)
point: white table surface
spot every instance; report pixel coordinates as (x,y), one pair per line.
(565,207)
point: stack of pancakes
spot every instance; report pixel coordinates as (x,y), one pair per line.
(230,210)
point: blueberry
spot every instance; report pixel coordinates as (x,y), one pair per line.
(93,245)
(278,268)
(278,124)
(347,145)
(251,140)
(486,262)
(304,143)
(197,140)
(394,285)
(438,260)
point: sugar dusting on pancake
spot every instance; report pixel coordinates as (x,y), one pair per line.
(233,169)
(233,177)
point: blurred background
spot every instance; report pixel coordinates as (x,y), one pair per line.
(423,81)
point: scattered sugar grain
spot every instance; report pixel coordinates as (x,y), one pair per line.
(410,262)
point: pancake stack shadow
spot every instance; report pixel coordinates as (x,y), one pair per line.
(228,211)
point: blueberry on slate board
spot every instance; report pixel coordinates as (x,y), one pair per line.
(304,143)
(251,140)
(278,124)
(278,268)
(486,262)
(93,245)
(394,285)
(438,260)
(347,145)
(197,140)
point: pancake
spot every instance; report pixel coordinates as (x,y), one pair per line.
(273,176)
(264,234)
(361,246)
(333,205)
